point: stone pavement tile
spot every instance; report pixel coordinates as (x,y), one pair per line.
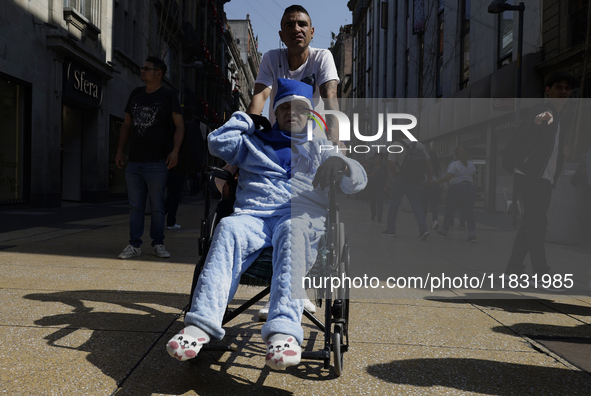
(428,325)
(90,309)
(26,233)
(147,261)
(106,220)
(62,361)
(88,275)
(370,368)
(82,248)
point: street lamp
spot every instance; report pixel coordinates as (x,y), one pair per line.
(498,7)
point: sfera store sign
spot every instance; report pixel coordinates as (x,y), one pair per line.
(82,84)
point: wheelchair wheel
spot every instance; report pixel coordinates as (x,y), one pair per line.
(345,259)
(337,342)
(340,267)
(343,292)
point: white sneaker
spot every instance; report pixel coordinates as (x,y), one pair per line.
(160,251)
(264,312)
(130,252)
(309,306)
(174,227)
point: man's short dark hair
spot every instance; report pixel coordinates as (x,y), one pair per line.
(158,64)
(295,8)
(557,77)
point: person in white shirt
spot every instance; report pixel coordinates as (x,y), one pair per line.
(298,61)
(461,191)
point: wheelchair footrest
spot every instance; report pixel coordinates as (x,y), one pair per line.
(316,355)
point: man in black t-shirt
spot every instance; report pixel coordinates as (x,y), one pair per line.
(154,128)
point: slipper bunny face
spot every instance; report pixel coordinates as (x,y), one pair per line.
(184,347)
(283,353)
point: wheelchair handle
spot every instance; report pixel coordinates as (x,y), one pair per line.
(220,173)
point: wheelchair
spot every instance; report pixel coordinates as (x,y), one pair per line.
(333,260)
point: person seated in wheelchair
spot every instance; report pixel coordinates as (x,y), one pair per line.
(281,201)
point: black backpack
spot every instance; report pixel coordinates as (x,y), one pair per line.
(414,165)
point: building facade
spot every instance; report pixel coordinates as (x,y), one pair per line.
(66,70)
(247,63)
(454,65)
(442,57)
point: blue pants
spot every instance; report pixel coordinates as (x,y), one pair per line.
(237,242)
(174,189)
(412,190)
(146,179)
(464,196)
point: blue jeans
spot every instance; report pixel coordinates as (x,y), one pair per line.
(464,195)
(173,196)
(412,190)
(146,179)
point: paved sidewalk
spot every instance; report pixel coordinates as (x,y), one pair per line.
(75,320)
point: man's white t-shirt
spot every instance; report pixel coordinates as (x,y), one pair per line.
(318,69)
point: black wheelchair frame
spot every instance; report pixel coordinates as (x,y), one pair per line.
(336,305)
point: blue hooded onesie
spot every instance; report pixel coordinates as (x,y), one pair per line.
(276,205)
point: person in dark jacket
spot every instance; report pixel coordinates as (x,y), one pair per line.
(542,150)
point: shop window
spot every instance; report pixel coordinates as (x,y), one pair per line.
(505,39)
(465,45)
(577,14)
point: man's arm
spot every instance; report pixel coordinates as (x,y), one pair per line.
(328,92)
(179,134)
(261,93)
(123,138)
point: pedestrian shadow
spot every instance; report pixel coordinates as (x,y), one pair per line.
(485,377)
(124,335)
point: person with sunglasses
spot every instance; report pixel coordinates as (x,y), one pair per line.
(154,129)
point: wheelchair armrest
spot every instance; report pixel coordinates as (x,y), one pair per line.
(220,173)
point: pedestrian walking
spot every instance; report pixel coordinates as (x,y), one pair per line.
(408,170)
(377,178)
(536,156)
(460,193)
(154,128)
(431,193)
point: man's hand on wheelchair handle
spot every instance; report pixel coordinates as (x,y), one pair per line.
(329,170)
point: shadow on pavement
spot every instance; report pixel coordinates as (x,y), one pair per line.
(483,377)
(124,335)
